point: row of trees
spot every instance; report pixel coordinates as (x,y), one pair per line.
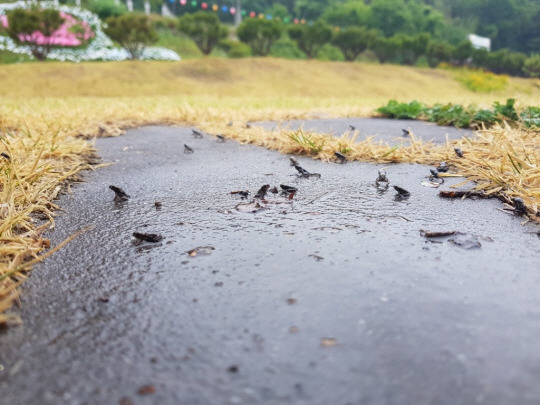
(135,31)
(261,34)
(511,24)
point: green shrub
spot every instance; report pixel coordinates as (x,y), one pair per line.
(506,110)
(259,34)
(330,52)
(437,52)
(23,22)
(531,66)
(235,49)
(107,8)
(164,23)
(531,116)
(395,109)
(286,48)
(204,29)
(385,48)
(459,116)
(133,31)
(353,41)
(311,38)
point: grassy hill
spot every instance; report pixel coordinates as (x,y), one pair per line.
(352,84)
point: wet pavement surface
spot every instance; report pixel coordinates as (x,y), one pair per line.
(333,297)
(380,129)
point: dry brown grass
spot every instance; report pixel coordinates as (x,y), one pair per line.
(47,109)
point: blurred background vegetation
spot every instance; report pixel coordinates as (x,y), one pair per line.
(410,32)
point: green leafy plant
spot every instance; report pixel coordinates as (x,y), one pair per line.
(311,38)
(353,41)
(531,116)
(307,141)
(24,23)
(107,8)
(460,116)
(204,29)
(395,109)
(133,32)
(259,34)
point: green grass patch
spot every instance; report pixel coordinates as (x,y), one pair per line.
(461,116)
(7,57)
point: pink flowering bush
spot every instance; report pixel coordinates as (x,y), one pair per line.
(44,29)
(71,33)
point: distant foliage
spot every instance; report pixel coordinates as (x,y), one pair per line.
(204,29)
(438,52)
(483,82)
(353,41)
(34,27)
(107,8)
(235,49)
(531,66)
(133,31)
(385,49)
(260,34)
(311,38)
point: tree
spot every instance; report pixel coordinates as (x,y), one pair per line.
(412,46)
(33,27)
(204,29)
(311,38)
(259,34)
(353,41)
(391,17)
(531,67)
(349,14)
(107,8)
(437,52)
(132,31)
(462,52)
(385,49)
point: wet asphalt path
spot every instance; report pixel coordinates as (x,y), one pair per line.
(334,298)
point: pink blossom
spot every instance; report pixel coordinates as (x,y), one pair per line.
(62,36)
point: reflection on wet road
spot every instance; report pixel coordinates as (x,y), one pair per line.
(332,297)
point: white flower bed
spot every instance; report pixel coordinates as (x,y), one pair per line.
(99,48)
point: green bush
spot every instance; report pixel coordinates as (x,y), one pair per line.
(395,109)
(164,23)
(133,31)
(311,38)
(353,41)
(204,29)
(462,52)
(330,52)
(107,8)
(27,21)
(531,116)
(459,116)
(385,49)
(286,48)
(259,34)
(235,49)
(437,52)
(531,66)
(411,47)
